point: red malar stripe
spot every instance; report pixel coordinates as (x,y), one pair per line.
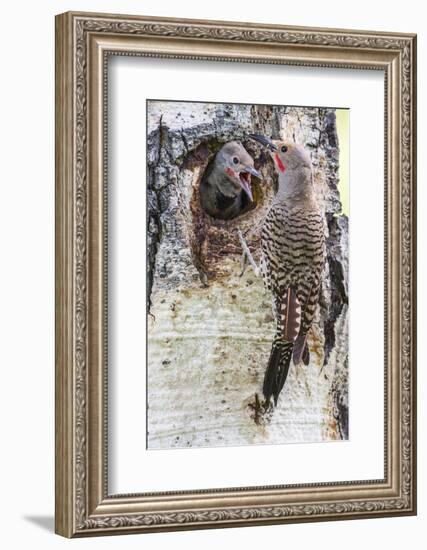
(279,162)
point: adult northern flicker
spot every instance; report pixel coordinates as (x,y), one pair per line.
(292,260)
(226,187)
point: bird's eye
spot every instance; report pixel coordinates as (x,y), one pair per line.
(283,148)
(235,160)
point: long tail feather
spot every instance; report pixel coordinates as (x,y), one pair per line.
(277,369)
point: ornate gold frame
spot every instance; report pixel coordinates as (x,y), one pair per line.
(83,42)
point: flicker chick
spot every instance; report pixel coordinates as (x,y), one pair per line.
(292,260)
(226,188)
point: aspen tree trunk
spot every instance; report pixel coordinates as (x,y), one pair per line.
(210,329)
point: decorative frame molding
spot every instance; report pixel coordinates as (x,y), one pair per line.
(83,42)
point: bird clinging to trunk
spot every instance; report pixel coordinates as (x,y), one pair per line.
(226,187)
(292,260)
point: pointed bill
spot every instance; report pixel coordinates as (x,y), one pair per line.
(264,140)
(245,182)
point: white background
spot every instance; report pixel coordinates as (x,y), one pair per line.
(360,458)
(27,245)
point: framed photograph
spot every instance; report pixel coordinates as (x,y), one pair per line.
(235,274)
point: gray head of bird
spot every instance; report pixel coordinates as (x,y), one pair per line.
(285,154)
(235,166)
(291,161)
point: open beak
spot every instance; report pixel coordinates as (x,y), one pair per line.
(245,180)
(264,140)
